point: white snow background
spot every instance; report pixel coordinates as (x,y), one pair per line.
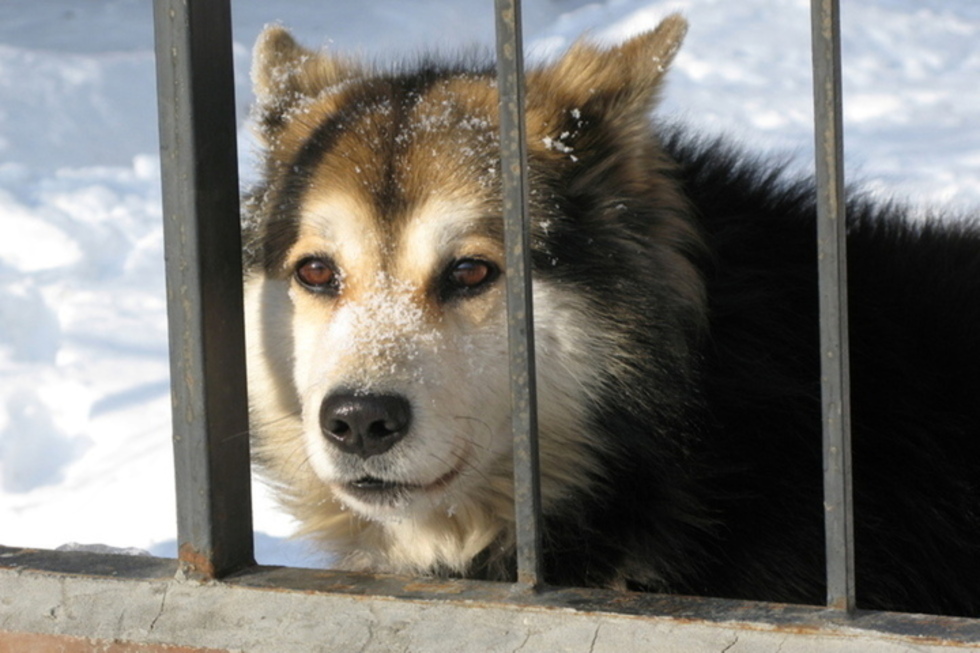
(84,408)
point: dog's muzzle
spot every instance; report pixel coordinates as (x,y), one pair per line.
(365,424)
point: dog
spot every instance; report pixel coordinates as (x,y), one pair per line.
(678,366)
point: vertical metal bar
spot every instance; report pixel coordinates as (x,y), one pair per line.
(832,253)
(204,284)
(520,316)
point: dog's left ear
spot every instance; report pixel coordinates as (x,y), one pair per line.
(618,83)
(285,74)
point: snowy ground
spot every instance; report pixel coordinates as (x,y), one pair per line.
(84,411)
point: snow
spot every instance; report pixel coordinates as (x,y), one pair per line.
(84,406)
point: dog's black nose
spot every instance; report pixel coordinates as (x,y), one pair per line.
(365,424)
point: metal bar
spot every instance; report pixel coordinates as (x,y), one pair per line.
(520,315)
(204,289)
(832,253)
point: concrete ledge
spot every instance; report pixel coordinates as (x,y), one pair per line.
(36,643)
(131,602)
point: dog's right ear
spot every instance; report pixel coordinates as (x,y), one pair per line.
(285,74)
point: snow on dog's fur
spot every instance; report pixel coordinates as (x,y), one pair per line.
(675,320)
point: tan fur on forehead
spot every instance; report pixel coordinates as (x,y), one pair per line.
(446,148)
(455,143)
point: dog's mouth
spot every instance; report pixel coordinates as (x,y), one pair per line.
(374,490)
(370,483)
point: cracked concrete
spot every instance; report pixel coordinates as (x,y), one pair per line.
(595,638)
(163,606)
(523,644)
(164,612)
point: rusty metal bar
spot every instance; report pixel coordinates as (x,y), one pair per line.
(520,315)
(832,253)
(204,289)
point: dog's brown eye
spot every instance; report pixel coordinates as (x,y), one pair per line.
(470,273)
(467,277)
(317,274)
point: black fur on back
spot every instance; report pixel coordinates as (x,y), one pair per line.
(733,505)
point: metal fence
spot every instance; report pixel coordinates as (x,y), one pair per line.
(261,608)
(204,295)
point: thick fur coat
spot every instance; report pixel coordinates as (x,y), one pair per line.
(676,324)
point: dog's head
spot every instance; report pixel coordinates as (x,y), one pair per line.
(377,312)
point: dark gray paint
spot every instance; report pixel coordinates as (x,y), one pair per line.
(202,239)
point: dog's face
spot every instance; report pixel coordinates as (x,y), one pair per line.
(401,358)
(394,275)
(380,280)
